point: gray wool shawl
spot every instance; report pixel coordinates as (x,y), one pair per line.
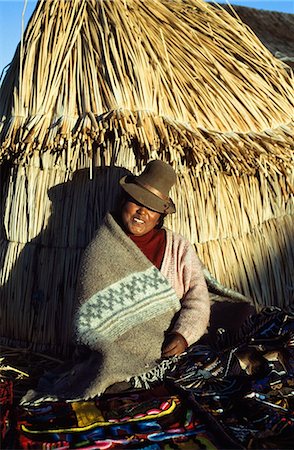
(125,305)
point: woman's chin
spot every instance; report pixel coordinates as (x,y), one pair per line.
(137,229)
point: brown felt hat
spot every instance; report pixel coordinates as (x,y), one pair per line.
(151,188)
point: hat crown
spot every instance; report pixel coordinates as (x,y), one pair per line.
(159,176)
(151,187)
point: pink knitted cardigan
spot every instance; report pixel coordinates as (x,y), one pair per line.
(183,269)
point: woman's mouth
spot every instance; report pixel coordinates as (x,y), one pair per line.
(137,220)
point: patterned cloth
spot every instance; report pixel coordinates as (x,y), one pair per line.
(236,393)
(140,420)
(244,383)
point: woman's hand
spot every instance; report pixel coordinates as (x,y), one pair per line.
(174,344)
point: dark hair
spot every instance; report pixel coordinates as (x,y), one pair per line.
(161,221)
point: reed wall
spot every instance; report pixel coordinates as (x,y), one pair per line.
(242,229)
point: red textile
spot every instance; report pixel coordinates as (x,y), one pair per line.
(152,244)
(6,399)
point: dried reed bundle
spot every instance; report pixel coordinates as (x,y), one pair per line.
(165,73)
(259,263)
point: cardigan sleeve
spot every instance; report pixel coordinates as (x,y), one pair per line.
(184,271)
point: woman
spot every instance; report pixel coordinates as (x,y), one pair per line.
(141,218)
(142,296)
(142,292)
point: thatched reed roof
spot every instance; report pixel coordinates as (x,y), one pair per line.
(176,75)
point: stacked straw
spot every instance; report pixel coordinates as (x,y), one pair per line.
(100,87)
(166,73)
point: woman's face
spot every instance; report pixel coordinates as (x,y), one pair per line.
(137,219)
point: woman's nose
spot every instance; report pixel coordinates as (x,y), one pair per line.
(142,210)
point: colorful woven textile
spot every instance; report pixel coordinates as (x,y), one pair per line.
(234,393)
(244,384)
(138,420)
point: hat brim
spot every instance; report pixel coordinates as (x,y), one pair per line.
(145,197)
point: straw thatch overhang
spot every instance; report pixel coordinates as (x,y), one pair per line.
(230,152)
(97,88)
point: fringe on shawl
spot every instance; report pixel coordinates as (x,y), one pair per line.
(155,375)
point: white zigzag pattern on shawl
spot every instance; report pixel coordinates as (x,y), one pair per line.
(137,298)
